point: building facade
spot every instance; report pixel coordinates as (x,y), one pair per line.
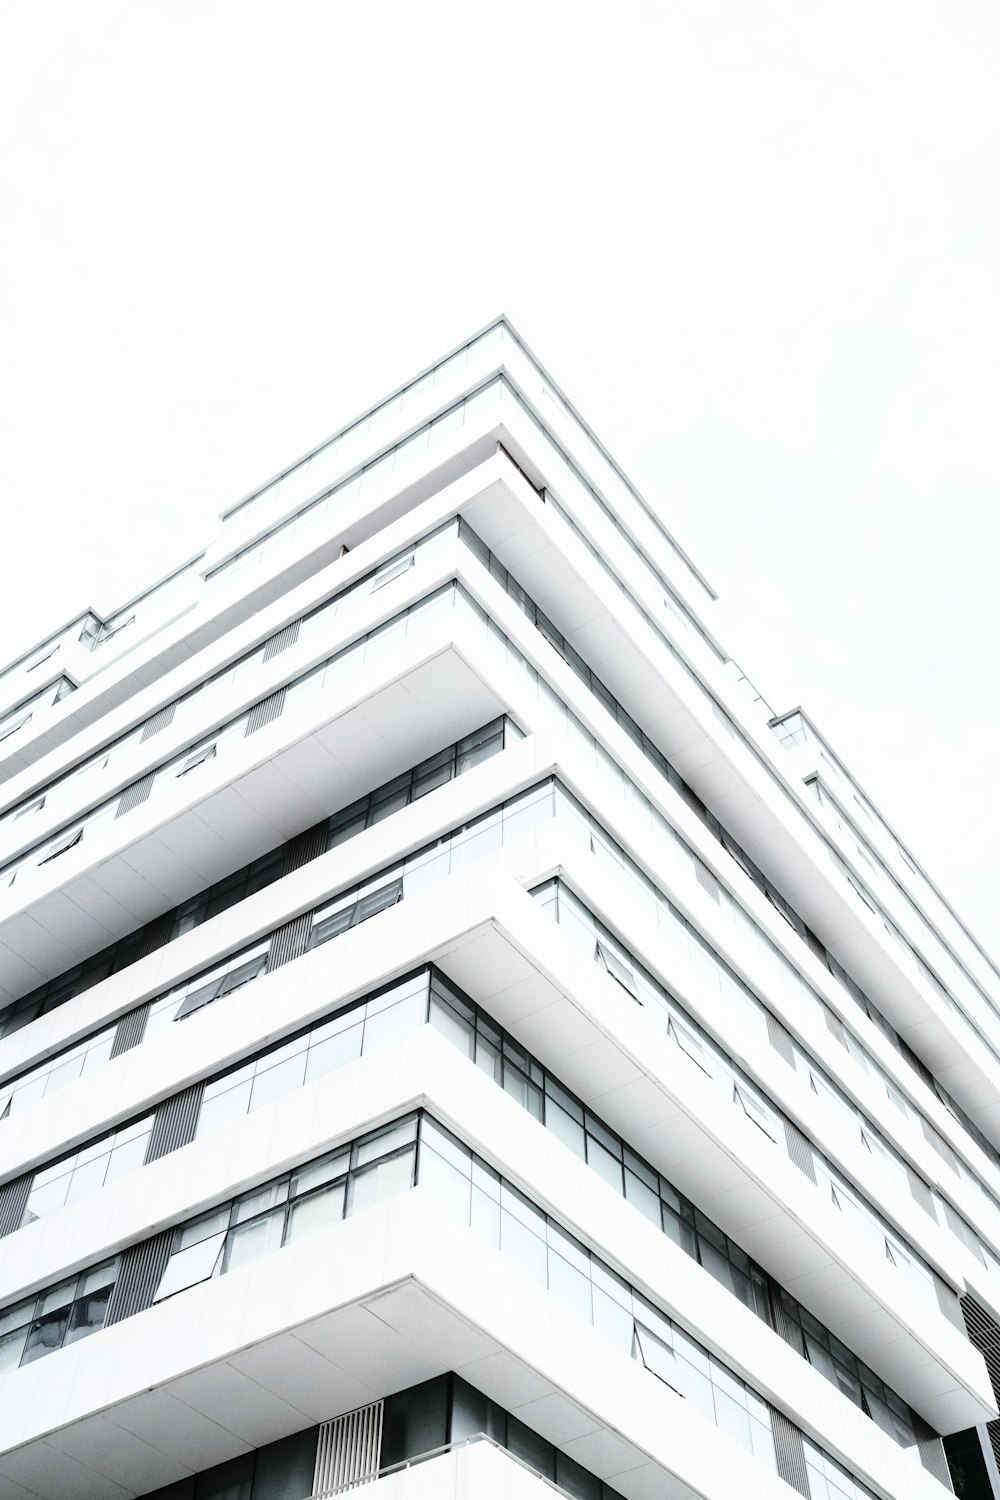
(455,1038)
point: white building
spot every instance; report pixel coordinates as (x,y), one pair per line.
(445,1016)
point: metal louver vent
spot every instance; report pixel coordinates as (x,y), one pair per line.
(348,1450)
(281,640)
(706,879)
(985,1335)
(175,1122)
(135,795)
(938,1144)
(131,1029)
(780,1039)
(289,941)
(155,934)
(723,718)
(962,1230)
(799,1150)
(13,1202)
(139,1276)
(157,722)
(790,1453)
(265,712)
(932,1456)
(947,1300)
(920,1192)
(305,847)
(834,1025)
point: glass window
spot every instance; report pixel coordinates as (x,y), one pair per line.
(756,1110)
(316,1210)
(391,570)
(616,968)
(658,1357)
(10,728)
(61,845)
(690,1044)
(207,752)
(62,1315)
(187,1266)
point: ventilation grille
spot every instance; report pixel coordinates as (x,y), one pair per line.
(283,639)
(305,847)
(135,795)
(706,879)
(921,1192)
(799,1150)
(157,722)
(780,1039)
(784,1325)
(289,941)
(13,1202)
(139,1276)
(817,948)
(932,1456)
(948,1301)
(790,1453)
(156,934)
(962,1231)
(939,1144)
(131,1029)
(175,1123)
(834,1025)
(723,718)
(265,711)
(348,1450)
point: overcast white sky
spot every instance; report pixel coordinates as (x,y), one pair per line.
(757,244)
